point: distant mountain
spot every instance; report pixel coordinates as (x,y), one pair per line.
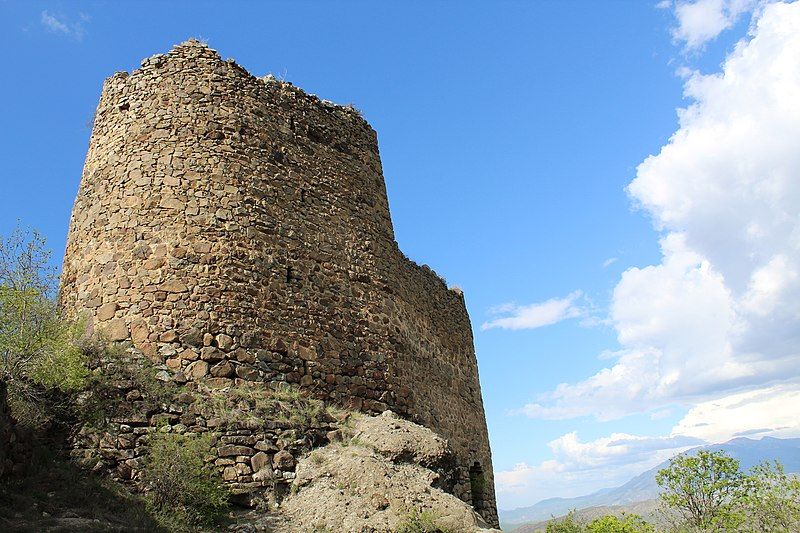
(643,487)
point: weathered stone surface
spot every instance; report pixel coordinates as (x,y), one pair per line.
(357,489)
(116,330)
(168,336)
(247,373)
(233,450)
(173,286)
(225,342)
(222,370)
(229,473)
(106,311)
(219,383)
(218,209)
(259,461)
(283,460)
(212,354)
(189,354)
(197,370)
(139,332)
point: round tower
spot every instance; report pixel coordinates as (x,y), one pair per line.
(237,229)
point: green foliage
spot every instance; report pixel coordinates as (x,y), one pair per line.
(417,521)
(711,493)
(115,372)
(184,491)
(566,524)
(39,352)
(628,523)
(771,503)
(705,489)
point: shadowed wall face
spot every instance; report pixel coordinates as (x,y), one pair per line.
(237,229)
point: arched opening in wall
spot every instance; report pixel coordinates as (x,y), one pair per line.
(289,274)
(124,106)
(477,484)
(302,196)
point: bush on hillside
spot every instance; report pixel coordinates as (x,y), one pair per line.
(183,490)
(627,523)
(417,521)
(566,524)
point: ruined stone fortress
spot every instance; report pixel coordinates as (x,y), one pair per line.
(236,229)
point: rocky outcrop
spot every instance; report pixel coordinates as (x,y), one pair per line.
(381,474)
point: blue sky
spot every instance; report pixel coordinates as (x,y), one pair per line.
(509,132)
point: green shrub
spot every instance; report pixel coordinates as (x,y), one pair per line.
(183,491)
(627,523)
(116,371)
(566,524)
(417,521)
(771,502)
(630,523)
(39,356)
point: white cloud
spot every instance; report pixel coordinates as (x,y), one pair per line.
(583,467)
(714,327)
(535,315)
(610,261)
(720,313)
(63,26)
(701,21)
(773,411)
(522,480)
(616,449)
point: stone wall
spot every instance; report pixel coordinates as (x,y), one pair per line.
(15,450)
(237,229)
(255,456)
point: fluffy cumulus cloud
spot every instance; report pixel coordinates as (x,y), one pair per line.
(714,328)
(720,313)
(700,21)
(536,315)
(582,467)
(773,411)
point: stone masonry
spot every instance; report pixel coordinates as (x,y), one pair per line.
(15,449)
(237,229)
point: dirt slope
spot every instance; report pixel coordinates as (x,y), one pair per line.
(380,475)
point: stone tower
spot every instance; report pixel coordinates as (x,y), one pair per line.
(238,229)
